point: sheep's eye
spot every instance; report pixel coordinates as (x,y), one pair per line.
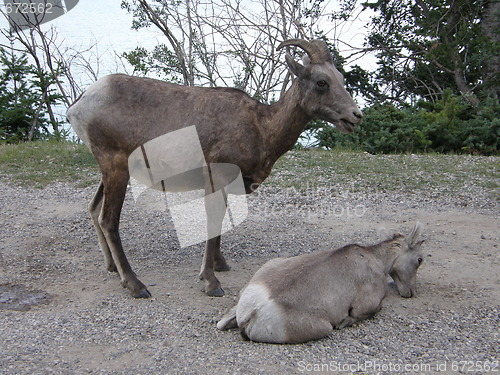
(322,83)
(420,260)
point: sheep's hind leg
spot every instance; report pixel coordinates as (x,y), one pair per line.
(115,187)
(302,327)
(95,209)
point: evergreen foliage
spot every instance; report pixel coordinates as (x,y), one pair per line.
(450,125)
(23,115)
(17,104)
(437,81)
(428,46)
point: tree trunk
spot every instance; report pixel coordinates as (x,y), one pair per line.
(34,124)
(491,28)
(457,64)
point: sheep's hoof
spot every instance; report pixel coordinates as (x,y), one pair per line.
(144,293)
(112,268)
(223,267)
(219,292)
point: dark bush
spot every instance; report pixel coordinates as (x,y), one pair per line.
(450,125)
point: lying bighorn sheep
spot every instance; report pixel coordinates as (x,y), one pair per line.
(119,114)
(302,298)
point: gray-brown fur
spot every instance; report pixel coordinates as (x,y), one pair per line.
(120,113)
(302,298)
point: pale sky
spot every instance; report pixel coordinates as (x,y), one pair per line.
(105,22)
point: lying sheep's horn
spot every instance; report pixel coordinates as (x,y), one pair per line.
(317,50)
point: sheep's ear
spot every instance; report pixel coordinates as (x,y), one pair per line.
(417,245)
(413,236)
(384,234)
(296,68)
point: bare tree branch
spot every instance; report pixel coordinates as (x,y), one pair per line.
(229,41)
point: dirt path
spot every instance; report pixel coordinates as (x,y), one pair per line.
(81,321)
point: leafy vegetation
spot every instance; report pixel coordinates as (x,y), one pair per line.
(428,46)
(450,125)
(25,98)
(437,83)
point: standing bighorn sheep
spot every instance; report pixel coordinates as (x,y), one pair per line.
(302,298)
(119,114)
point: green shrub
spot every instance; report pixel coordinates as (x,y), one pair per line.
(385,129)
(25,96)
(482,135)
(450,125)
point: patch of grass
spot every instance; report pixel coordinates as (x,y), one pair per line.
(361,171)
(40,163)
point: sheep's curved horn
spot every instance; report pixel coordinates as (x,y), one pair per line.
(317,50)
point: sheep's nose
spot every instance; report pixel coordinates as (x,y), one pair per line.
(357,113)
(356,116)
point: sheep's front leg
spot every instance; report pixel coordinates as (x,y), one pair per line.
(212,284)
(215,206)
(347,322)
(366,304)
(220,263)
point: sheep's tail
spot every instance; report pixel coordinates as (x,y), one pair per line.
(228,321)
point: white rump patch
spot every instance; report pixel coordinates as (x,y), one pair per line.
(264,318)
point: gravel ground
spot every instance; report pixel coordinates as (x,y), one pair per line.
(62,313)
